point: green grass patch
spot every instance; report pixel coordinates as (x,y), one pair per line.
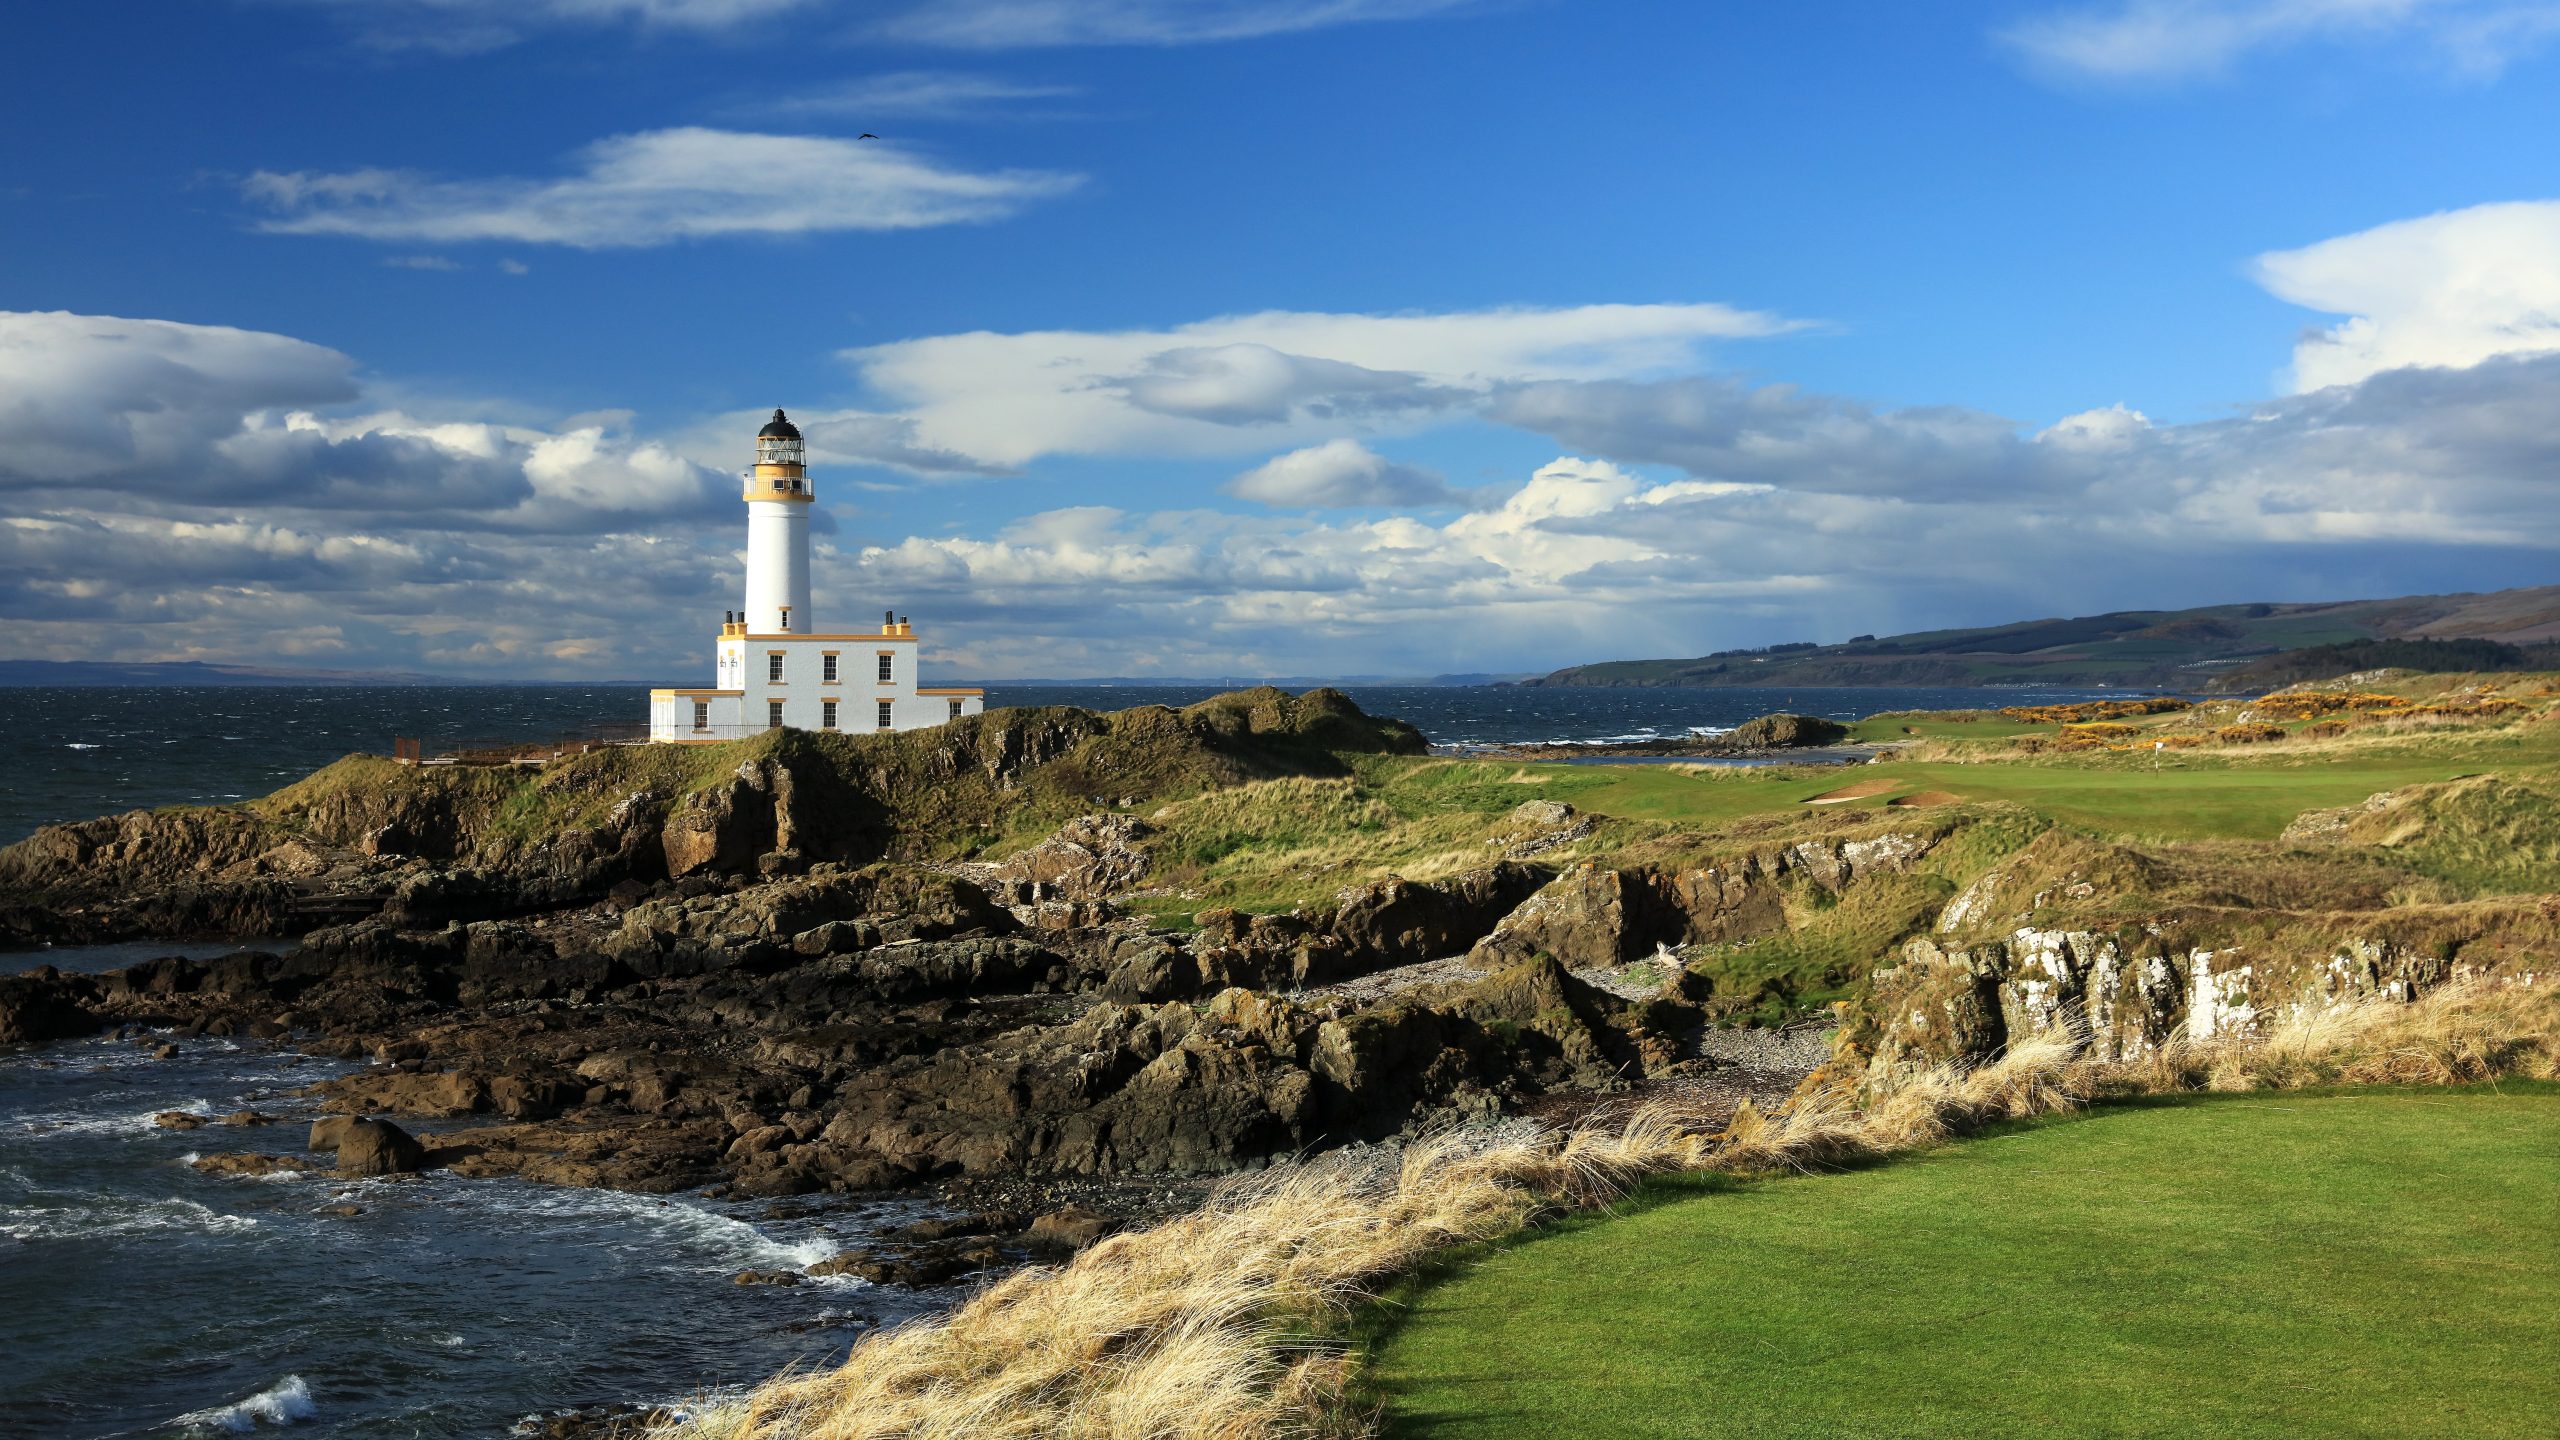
(2353,1263)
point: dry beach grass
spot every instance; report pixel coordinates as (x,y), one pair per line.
(1216,1326)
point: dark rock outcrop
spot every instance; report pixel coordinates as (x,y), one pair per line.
(377,1147)
(1784,732)
(44,1005)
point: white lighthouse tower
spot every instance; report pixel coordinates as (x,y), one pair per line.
(775,667)
(778,502)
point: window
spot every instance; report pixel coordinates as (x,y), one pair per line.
(826,714)
(773,667)
(884,714)
(773,714)
(701,714)
(888,667)
(786,618)
(955,709)
(827,667)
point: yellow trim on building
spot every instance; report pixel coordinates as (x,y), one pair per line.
(949,690)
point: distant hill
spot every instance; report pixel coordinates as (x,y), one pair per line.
(2214,646)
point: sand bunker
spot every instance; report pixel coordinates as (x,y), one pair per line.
(1860,791)
(1926,797)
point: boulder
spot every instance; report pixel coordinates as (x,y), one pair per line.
(44,1005)
(1090,857)
(249,1166)
(1071,1228)
(1401,922)
(1586,916)
(723,828)
(378,1147)
(1784,732)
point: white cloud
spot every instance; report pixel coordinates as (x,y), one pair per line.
(420,262)
(918,95)
(1236,384)
(1015,24)
(1253,384)
(1340,472)
(88,397)
(466,26)
(1718,428)
(118,414)
(656,188)
(2450,289)
(2115,427)
(2414,480)
(2153,40)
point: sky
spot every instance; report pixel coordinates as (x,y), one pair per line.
(1234,337)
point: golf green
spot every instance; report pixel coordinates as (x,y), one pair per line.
(2331,1264)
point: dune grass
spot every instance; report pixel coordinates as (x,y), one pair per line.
(2312,1264)
(1230,1323)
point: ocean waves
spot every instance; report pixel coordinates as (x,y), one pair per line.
(287,1402)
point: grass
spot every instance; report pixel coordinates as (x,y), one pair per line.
(1224,1324)
(2340,1264)
(1285,843)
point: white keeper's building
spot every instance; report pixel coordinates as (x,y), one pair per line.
(774,666)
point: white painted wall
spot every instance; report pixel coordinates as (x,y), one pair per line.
(778,565)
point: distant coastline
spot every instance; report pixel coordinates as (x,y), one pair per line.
(67,673)
(2206,649)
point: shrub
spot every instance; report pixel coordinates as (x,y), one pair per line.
(2249,734)
(2095,710)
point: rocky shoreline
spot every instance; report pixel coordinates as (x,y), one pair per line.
(1799,739)
(745,991)
(763,984)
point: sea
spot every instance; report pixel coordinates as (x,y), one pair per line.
(141,1298)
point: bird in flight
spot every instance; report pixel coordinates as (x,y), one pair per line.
(866,137)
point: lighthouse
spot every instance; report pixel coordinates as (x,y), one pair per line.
(773,666)
(778,503)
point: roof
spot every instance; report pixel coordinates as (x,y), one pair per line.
(778,427)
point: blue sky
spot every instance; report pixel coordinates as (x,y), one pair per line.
(1304,336)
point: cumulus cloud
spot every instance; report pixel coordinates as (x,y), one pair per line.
(2450,289)
(2412,480)
(2115,427)
(1236,384)
(132,414)
(1718,428)
(86,397)
(860,438)
(224,494)
(1339,473)
(2154,40)
(656,188)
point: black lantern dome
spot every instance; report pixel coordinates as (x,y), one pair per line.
(778,428)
